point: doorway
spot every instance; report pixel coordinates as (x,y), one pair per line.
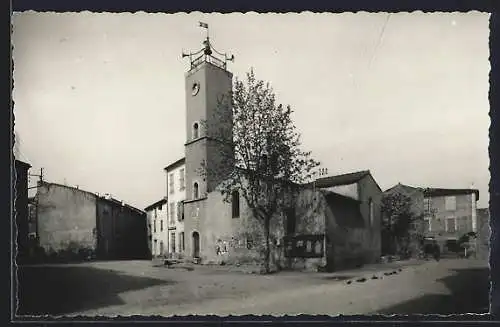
(196,245)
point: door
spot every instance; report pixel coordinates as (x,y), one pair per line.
(196,245)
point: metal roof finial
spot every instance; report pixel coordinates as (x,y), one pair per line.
(207,54)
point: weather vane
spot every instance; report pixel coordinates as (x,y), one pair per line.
(205,54)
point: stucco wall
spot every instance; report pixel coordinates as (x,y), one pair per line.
(176,196)
(122,232)
(230,234)
(349,240)
(194,213)
(463,213)
(368,189)
(350,190)
(311,216)
(66,215)
(196,154)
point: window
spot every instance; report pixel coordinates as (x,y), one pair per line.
(195,191)
(451,224)
(160,207)
(181,179)
(181,242)
(172,213)
(180,211)
(450,203)
(161,248)
(156,213)
(161,225)
(196,131)
(172,242)
(154,226)
(235,202)
(171,183)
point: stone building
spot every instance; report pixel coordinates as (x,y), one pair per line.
(216,230)
(416,195)
(71,219)
(362,188)
(448,214)
(21,208)
(157,217)
(346,210)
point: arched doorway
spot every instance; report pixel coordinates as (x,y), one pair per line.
(196,245)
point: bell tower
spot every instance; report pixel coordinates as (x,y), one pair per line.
(208,86)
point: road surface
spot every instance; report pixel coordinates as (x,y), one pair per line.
(130,288)
(445,287)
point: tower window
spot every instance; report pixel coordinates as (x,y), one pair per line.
(196,193)
(235,201)
(196,130)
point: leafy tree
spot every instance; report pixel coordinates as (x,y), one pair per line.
(398,220)
(261,155)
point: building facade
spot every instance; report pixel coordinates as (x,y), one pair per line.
(71,219)
(448,214)
(418,228)
(207,227)
(354,202)
(157,217)
(206,83)
(176,194)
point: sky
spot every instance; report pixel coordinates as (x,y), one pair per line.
(99,97)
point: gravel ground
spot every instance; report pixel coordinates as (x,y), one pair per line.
(136,287)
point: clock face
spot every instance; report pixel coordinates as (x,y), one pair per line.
(195,88)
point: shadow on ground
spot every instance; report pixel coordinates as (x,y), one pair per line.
(62,290)
(469,290)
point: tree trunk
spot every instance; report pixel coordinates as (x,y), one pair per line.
(267,249)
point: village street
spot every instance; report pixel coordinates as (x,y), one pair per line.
(137,287)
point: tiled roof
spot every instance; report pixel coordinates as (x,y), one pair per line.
(344,179)
(156,204)
(431,192)
(175,164)
(121,203)
(405,187)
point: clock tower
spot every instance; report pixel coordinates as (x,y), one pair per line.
(208,86)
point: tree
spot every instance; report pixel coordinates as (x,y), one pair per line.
(261,155)
(398,220)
